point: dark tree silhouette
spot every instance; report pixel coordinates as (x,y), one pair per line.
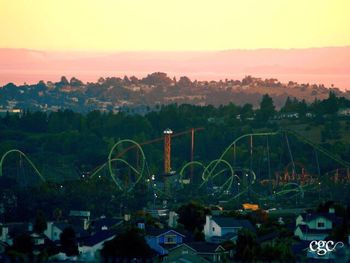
(40,223)
(68,242)
(126,246)
(192,216)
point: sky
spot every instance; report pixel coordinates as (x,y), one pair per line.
(173,25)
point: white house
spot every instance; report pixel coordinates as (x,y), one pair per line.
(54,229)
(315,226)
(218,226)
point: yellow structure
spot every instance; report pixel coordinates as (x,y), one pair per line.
(252,207)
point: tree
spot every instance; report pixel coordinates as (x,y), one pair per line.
(76,82)
(22,248)
(64,81)
(267,109)
(57,214)
(331,130)
(247,111)
(247,248)
(192,216)
(330,105)
(198,235)
(68,242)
(184,82)
(126,246)
(40,223)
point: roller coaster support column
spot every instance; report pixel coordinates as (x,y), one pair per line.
(167,150)
(192,152)
(167,158)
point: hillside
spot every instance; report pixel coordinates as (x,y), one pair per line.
(141,95)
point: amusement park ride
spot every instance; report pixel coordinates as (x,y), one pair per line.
(223,179)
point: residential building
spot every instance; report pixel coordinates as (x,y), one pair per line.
(198,252)
(315,226)
(344,112)
(161,240)
(217,228)
(90,246)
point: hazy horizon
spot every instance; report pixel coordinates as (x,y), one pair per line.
(299,65)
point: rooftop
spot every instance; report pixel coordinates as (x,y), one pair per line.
(231,222)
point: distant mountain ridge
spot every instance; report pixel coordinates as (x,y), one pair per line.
(313,65)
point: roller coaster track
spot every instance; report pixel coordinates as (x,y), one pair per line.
(319,148)
(209,171)
(137,172)
(217,161)
(25,157)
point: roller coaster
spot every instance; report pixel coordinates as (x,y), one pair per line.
(219,178)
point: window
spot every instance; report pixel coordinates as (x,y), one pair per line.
(320,224)
(170,239)
(213,229)
(184,252)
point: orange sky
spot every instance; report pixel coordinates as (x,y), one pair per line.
(119,25)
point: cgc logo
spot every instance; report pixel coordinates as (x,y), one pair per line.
(322,247)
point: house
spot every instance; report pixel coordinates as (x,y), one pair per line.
(344,112)
(199,252)
(54,230)
(77,217)
(219,227)
(184,253)
(268,239)
(315,226)
(38,239)
(89,247)
(104,223)
(161,240)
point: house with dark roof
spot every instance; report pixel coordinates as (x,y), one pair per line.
(219,228)
(54,230)
(199,252)
(104,223)
(268,238)
(161,240)
(90,246)
(315,226)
